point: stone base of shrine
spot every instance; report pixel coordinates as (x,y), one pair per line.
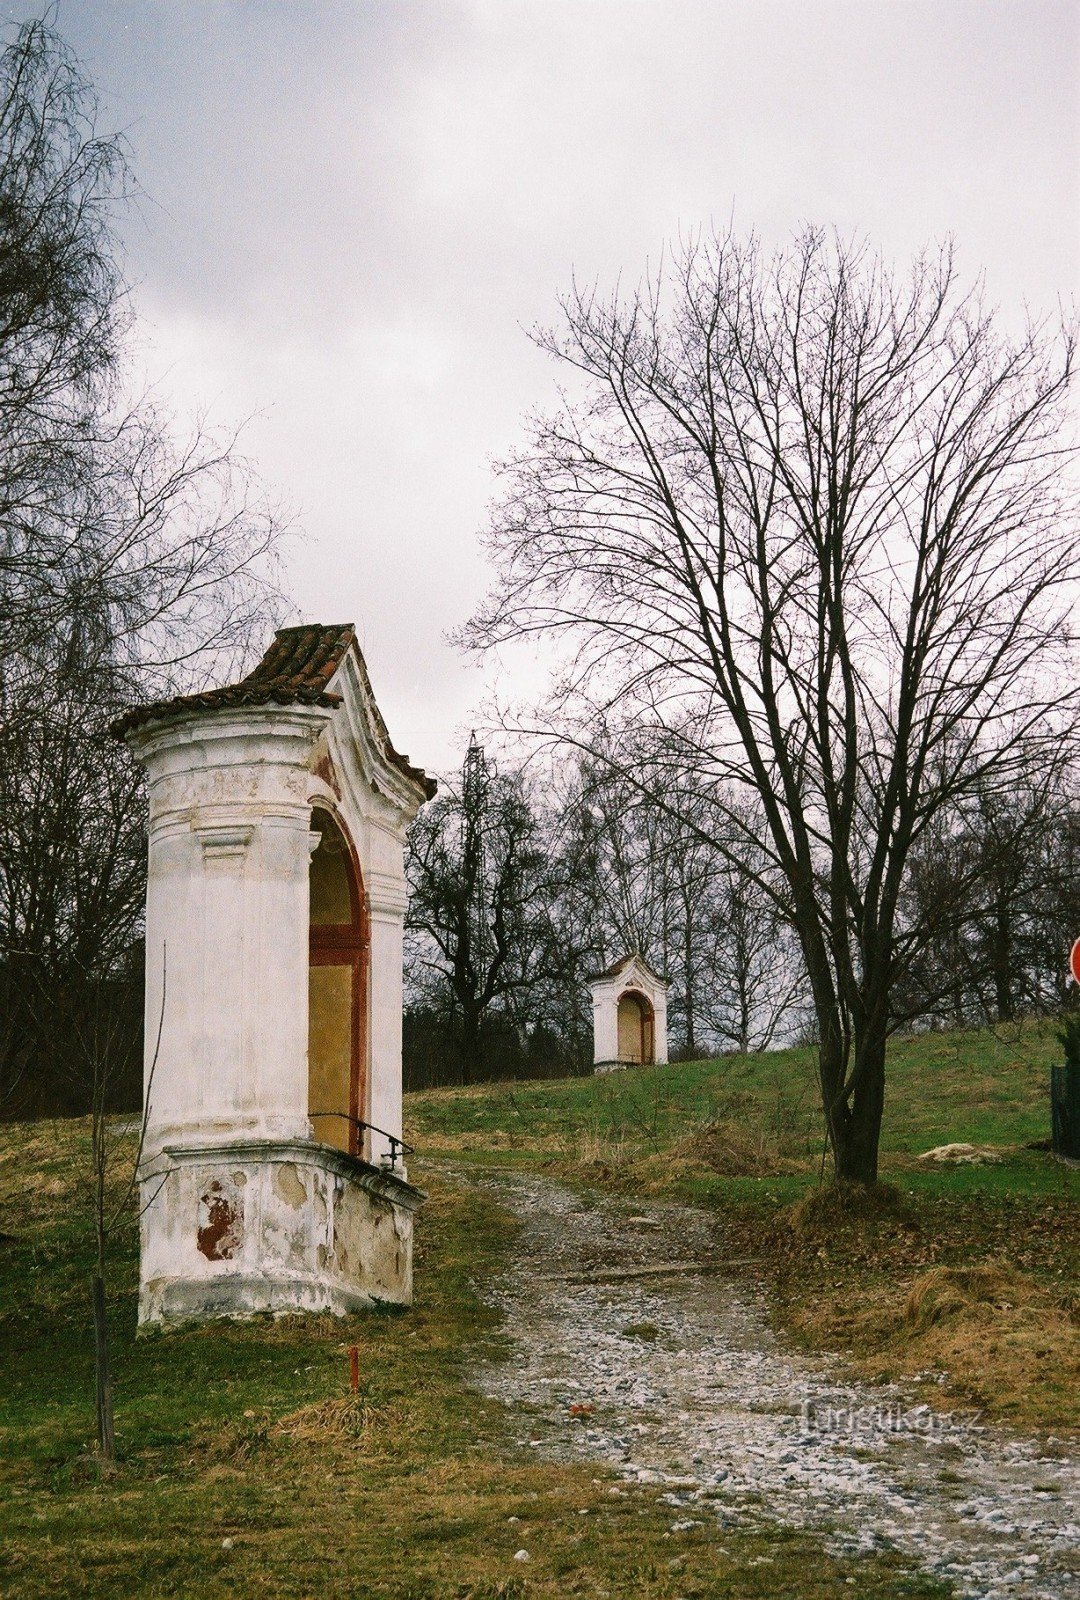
(235,1229)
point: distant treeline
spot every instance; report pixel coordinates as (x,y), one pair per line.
(521,890)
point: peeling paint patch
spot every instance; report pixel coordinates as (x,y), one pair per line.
(288,1184)
(221,1220)
(270,1231)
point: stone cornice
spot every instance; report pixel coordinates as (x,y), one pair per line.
(227,737)
(378,1181)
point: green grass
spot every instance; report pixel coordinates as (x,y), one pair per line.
(743,1135)
(245,1468)
(988,1087)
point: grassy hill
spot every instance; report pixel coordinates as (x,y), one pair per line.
(988,1087)
(966,1275)
(247,1469)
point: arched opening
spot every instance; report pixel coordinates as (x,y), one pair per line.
(636,1028)
(337,988)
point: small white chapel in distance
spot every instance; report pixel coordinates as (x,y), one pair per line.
(273,1175)
(629,1015)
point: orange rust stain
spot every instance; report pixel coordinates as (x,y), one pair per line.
(324,769)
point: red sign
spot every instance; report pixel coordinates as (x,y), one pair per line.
(1074,961)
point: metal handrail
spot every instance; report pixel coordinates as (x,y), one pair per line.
(396,1144)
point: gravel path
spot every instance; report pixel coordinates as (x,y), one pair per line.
(679,1381)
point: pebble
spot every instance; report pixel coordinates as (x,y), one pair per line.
(716,1411)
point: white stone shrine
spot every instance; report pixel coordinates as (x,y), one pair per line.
(273,1174)
(629,1015)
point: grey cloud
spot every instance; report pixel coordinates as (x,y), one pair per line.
(357,206)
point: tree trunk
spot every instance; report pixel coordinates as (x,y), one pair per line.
(691,1041)
(1001,944)
(853,1102)
(688,969)
(856,1127)
(100,1158)
(471,1049)
(105,1436)
(744,1018)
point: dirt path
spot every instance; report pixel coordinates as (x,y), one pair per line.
(683,1384)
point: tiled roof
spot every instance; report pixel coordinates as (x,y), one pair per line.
(624,962)
(295,671)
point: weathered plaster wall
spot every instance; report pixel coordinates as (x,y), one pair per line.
(267,1226)
(605,1024)
(227,924)
(606,993)
(247,1207)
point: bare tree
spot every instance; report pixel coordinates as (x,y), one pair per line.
(132,562)
(63,314)
(101,1050)
(811,522)
(642,873)
(480,893)
(754,961)
(998,883)
(614,853)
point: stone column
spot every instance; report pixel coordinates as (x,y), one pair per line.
(227,924)
(660,1047)
(386,907)
(605,1023)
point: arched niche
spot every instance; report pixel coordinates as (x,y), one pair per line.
(337,987)
(636,1020)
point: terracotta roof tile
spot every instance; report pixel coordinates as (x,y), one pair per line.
(624,962)
(295,671)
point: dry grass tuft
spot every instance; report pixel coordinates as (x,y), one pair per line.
(1007,1345)
(736,1150)
(487,1140)
(840,1205)
(593,1151)
(951,1291)
(1004,1340)
(351,1420)
(232,1444)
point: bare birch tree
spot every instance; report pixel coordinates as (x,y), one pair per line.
(812,523)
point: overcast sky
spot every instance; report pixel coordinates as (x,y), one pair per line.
(359,207)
